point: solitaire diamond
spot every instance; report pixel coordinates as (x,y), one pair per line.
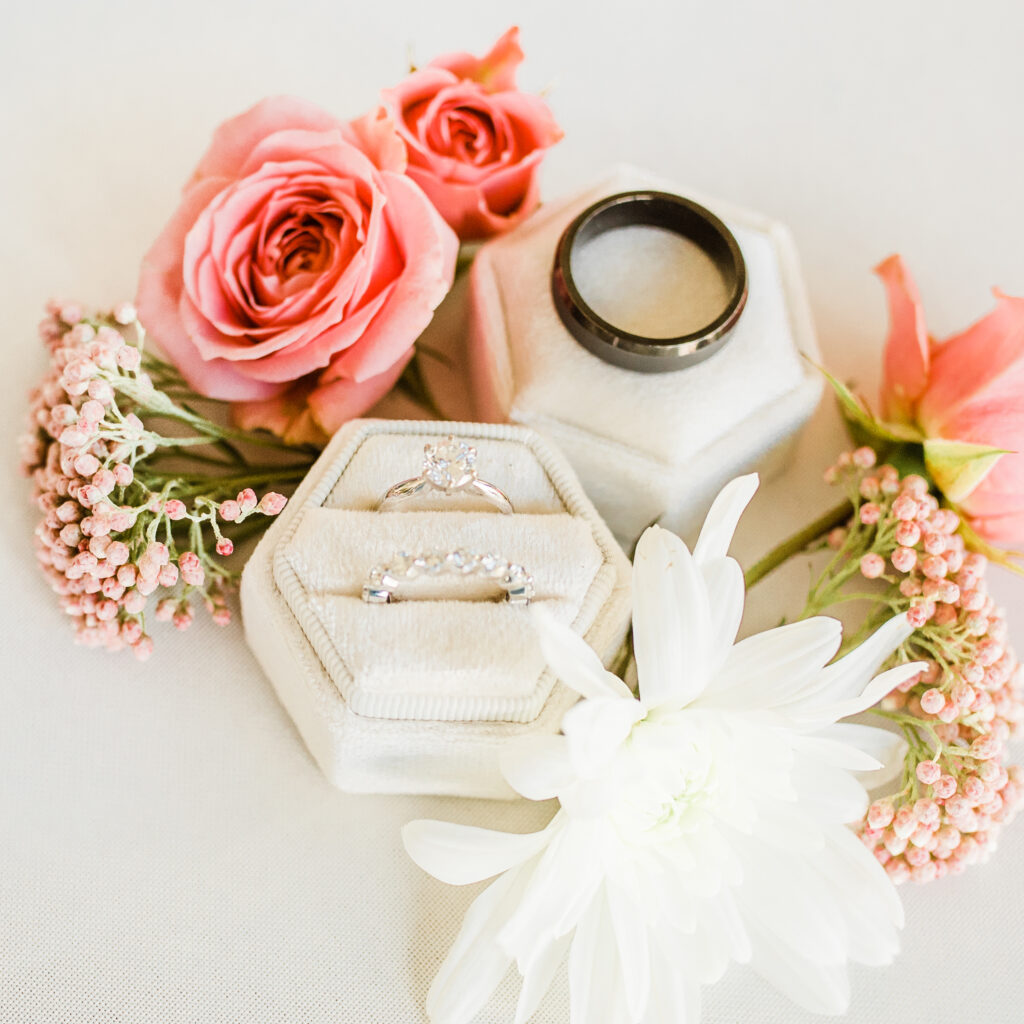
(450,464)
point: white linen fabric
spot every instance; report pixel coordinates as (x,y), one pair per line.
(420,696)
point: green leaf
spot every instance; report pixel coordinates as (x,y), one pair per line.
(859,416)
(957,467)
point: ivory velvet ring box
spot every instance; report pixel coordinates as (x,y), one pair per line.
(647,447)
(420,695)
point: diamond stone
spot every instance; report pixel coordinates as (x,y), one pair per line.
(450,464)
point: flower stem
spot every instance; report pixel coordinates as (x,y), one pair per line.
(798,542)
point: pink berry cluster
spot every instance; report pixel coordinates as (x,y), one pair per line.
(117,534)
(967,701)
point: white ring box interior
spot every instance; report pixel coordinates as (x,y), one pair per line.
(421,695)
(647,446)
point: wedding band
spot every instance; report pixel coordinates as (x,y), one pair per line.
(448,467)
(655,209)
(383,581)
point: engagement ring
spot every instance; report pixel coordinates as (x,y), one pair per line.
(448,467)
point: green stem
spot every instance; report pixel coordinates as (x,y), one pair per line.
(798,542)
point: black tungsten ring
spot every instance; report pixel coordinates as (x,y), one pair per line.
(662,210)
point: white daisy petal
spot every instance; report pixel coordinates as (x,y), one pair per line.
(886,749)
(537,766)
(846,678)
(631,935)
(675,992)
(463,854)
(537,979)
(573,660)
(830,795)
(671,621)
(833,750)
(595,974)
(810,713)
(596,729)
(560,890)
(475,964)
(723,579)
(765,670)
(720,524)
(820,988)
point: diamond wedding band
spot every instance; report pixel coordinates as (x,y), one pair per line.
(448,467)
(384,580)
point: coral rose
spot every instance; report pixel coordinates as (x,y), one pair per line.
(966,397)
(474,141)
(299,269)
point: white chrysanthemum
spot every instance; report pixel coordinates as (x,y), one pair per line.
(701,823)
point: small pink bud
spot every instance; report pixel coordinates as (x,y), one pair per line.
(945,787)
(925,872)
(984,748)
(897,871)
(835,540)
(134,602)
(165,609)
(129,358)
(168,575)
(175,509)
(919,614)
(104,481)
(880,814)
(907,534)
(272,503)
(932,701)
(864,457)
(904,823)
(246,500)
(124,474)
(870,513)
(904,508)
(910,587)
(230,511)
(225,546)
(934,567)
(221,616)
(928,771)
(143,648)
(872,566)
(86,464)
(904,559)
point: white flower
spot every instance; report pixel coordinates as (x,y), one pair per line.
(701,823)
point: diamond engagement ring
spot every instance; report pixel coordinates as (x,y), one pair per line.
(384,580)
(448,467)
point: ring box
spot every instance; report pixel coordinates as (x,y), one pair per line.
(421,695)
(647,447)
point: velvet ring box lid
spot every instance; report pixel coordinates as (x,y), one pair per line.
(420,696)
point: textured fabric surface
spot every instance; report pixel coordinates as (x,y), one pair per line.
(169,852)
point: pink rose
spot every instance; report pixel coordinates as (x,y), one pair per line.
(474,141)
(966,396)
(299,269)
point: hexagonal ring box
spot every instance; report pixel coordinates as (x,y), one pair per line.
(419,686)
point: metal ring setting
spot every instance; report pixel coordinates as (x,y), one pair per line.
(449,467)
(383,581)
(633,351)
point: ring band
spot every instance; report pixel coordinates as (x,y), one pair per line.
(633,351)
(383,581)
(448,467)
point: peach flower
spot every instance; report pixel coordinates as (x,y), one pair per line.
(966,397)
(299,268)
(475,142)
